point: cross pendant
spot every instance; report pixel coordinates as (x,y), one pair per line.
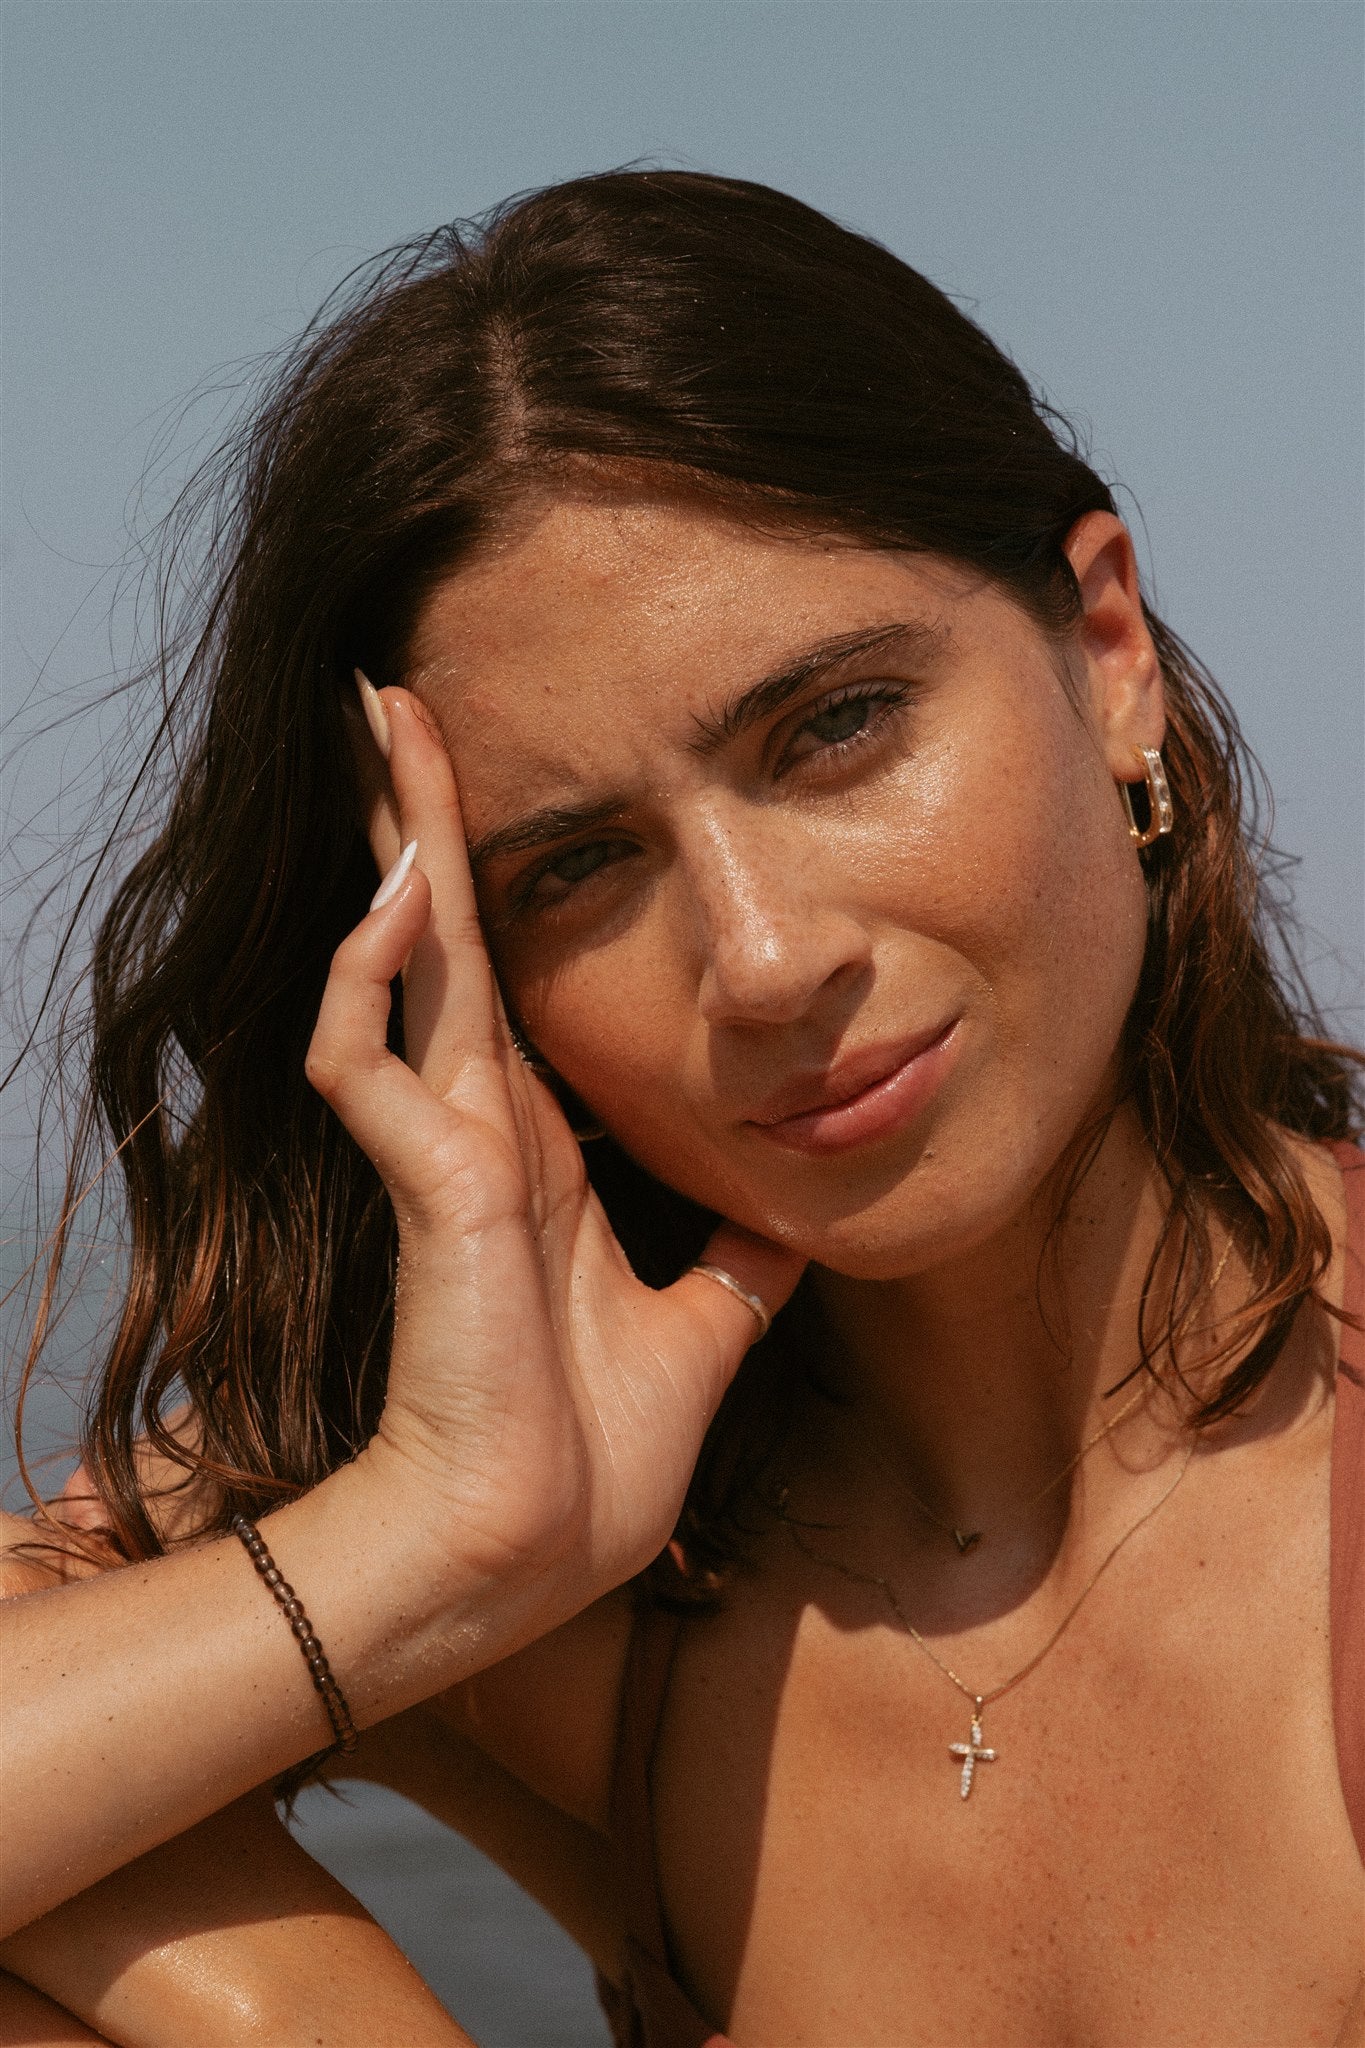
(972,1753)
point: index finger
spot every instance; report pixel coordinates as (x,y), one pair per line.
(451,1005)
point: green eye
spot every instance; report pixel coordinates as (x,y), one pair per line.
(847,722)
(579,862)
(840,721)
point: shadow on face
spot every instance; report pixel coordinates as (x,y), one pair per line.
(802,862)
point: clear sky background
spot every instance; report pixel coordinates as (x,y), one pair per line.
(1157,208)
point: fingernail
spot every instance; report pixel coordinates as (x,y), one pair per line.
(376,717)
(395,878)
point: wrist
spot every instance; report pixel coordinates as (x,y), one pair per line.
(410,1592)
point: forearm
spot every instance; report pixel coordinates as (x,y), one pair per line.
(138,1702)
(29,2020)
(229,1934)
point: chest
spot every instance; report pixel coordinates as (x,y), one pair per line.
(1158,1850)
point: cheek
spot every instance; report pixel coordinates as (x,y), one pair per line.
(611,1018)
(1051,916)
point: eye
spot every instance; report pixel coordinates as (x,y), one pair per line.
(840,723)
(564,872)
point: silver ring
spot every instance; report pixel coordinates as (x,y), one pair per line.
(751,1301)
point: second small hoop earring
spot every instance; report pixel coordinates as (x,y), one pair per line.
(1160,806)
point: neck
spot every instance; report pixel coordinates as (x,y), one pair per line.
(977,1380)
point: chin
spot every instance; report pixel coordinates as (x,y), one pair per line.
(890,1248)
(903,1226)
(953,1194)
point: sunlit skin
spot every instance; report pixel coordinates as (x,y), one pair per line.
(804,864)
(926,835)
(924,838)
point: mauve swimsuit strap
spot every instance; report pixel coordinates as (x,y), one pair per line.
(1348,1507)
(653,1641)
(649,2009)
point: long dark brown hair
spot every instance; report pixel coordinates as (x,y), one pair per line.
(762,352)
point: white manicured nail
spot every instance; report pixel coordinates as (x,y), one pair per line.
(395,878)
(376,717)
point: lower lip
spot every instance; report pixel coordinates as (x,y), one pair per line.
(878,1112)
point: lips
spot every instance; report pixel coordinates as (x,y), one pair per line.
(866,1095)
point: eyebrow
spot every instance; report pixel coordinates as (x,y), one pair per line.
(541,828)
(761,699)
(758,701)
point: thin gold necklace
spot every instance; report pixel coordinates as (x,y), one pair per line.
(967,1539)
(973,1752)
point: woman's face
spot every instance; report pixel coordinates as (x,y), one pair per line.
(802,863)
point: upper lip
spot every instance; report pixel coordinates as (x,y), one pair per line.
(853,1075)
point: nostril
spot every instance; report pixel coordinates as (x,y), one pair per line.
(775,976)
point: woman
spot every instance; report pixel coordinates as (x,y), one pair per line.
(773,764)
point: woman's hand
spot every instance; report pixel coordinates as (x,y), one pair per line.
(545,1409)
(544,1414)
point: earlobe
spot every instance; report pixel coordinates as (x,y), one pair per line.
(1120,662)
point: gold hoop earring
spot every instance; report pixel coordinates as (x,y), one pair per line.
(1160,807)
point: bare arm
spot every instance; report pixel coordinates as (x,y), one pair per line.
(141,1700)
(544,1414)
(225,1934)
(232,1933)
(29,2020)
(229,1934)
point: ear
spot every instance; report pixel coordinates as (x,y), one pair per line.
(1120,669)
(374,788)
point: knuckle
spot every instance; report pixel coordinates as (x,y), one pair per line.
(321,1070)
(343,959)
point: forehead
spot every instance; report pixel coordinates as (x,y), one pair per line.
(606,624)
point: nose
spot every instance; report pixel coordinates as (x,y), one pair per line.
(775,932)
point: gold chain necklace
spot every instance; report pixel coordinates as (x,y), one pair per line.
(967,1539)
(973,1752)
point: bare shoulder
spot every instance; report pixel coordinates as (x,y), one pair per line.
(1326,1181)
(1327,1185)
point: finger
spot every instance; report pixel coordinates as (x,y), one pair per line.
(387,1109)
(450,1002)
(755,1267)
(378,806)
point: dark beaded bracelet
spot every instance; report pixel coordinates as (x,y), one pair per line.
(333,1698)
